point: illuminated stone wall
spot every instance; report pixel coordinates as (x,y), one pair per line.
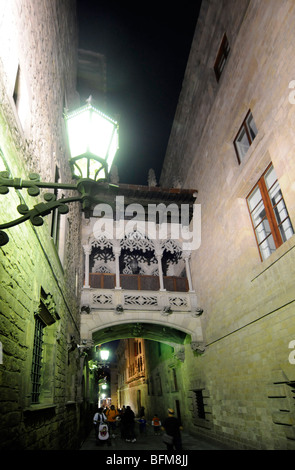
(38,277)
(165,382)
(132,379)
(246,375)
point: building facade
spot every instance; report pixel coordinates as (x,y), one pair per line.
(233,140)
(132,379)
(151,376)
(41,382)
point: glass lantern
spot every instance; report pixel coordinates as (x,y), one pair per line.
(93,142)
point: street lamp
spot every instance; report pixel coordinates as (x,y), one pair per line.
(93,143)
(104,354)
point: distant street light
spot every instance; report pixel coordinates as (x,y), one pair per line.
(104,354)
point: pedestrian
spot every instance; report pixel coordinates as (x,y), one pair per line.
(101,427)
(111,415)
(156,423)
(128,424)
(172,435)
(142,424)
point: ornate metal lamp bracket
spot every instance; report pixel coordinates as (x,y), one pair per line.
(40,210)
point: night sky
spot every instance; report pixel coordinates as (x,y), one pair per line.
(146,46)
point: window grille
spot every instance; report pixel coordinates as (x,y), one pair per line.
(37,360)
(199,404)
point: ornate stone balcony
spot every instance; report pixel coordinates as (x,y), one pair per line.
(137,273)
(133,299)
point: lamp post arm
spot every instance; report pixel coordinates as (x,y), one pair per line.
(33,184)
(88,193)
(39,211)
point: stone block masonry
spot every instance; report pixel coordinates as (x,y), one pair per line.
(37,279)
(248,303)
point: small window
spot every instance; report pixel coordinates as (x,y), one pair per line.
(221,57)
(175,383)
(21,99)
(245,136)
(37,360)
(199,404)
(269,215)
(44,351)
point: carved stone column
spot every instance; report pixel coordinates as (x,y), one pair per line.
(186,255)
(87,252)
(159,254)
(117,252)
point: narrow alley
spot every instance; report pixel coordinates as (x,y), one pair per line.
(147,243)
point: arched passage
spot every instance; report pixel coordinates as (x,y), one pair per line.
(178,327)
(155,332)
(149,364)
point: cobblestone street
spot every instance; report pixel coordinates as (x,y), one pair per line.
(149,441)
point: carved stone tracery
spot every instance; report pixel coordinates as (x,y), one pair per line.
(154,257)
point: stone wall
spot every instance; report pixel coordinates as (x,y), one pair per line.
(245,372)
(164,375)
(38,69)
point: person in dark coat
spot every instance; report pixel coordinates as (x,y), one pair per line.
(128,424)
(172,427)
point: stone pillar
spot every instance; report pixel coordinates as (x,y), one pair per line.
(87,252)
(186,256)
(159,254)
(117,252)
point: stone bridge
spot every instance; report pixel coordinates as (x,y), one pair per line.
(169,317)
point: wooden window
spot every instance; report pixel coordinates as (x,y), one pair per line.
(269,215)
(221,57)
(245,136)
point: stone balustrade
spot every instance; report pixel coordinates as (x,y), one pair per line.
(119,300)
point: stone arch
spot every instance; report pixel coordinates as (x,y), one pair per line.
(102,320)
(141,329)
(135,239)
(101,254)
(103,240)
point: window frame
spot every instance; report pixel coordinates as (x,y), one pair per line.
(44,350)
(244,126)
(221,58)
(199,405)
(270,215)
(37,360)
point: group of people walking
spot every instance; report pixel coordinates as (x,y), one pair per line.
(108,421)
